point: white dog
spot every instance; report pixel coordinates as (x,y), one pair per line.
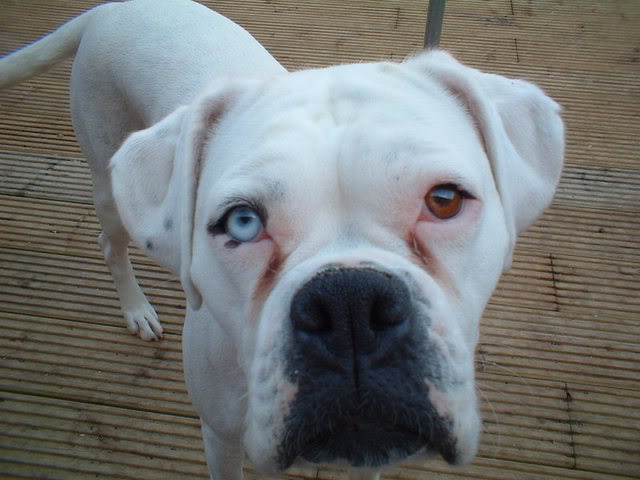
(338,232)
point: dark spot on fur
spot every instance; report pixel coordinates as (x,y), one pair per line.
(422,257)
(268,279)
(168,225)
(149,245)
(266,282)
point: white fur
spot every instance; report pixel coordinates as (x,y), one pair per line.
(341,157)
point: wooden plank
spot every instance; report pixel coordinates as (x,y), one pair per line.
(482,469)
(588,326)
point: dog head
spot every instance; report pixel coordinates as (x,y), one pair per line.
(346,227)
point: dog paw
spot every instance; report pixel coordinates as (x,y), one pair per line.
(143,321)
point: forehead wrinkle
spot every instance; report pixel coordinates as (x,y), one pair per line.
(269,190)
(352,96)
(264,191)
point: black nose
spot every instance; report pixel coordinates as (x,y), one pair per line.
(350,312)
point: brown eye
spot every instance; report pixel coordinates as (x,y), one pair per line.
(444,201)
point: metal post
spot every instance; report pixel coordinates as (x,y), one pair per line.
(435,18)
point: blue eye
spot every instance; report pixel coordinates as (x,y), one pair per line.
(243,224)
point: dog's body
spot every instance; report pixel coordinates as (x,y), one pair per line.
(343,227)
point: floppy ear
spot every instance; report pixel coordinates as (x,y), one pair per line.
(522,132)
(144,184)
(155,176)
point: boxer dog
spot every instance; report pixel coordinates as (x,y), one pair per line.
(337,232)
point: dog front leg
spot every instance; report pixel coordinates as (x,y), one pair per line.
(224,456)
(140,316)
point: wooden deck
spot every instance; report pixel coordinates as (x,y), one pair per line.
(559,358)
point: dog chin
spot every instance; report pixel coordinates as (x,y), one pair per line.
(361,438)
(367,447)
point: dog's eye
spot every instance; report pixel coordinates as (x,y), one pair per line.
(445,201)
(243,224)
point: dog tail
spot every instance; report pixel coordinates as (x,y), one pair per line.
(45,53)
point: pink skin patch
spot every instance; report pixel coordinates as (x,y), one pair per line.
(440,401)
(289,393)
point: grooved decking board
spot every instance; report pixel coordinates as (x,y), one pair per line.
(559,354)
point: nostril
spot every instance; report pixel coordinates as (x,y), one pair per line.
(311,315)
(387,311)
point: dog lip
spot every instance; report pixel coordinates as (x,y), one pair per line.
(367,443)
(361,445)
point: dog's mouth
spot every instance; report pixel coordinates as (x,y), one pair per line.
(362,444)
(361,440)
